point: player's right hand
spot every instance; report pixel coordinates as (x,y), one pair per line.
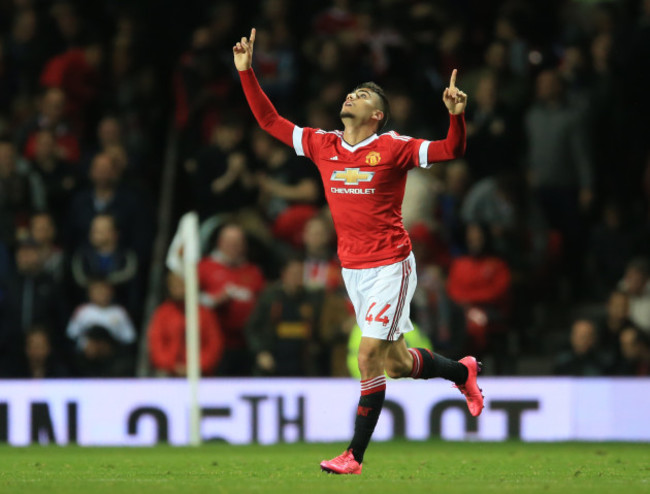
(454,99)
(243,52)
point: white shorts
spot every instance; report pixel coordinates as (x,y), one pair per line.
(382,298)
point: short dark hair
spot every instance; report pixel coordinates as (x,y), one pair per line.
(376,88)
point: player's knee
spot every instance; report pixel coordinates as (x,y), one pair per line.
(368,362)
(395,369)
(393,373)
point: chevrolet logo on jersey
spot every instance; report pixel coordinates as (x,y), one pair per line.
(352,176)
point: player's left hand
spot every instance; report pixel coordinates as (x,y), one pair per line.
(454,99)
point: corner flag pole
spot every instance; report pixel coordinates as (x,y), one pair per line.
(191,254)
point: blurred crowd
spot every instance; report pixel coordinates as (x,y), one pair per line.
(532,248)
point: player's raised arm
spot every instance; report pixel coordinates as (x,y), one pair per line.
(265,113)
(453,146)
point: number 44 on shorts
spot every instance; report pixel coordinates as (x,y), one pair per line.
(378,317)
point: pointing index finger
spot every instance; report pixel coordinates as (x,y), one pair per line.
(252,38)
(452,81)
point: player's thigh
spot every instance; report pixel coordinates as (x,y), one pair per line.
(354,280)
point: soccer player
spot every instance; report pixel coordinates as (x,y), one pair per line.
(364,174)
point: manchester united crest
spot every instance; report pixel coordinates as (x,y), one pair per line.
(373,158)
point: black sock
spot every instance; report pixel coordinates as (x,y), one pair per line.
(373,392)
(427,364)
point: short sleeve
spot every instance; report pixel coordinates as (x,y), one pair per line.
(306,141)
(409,152)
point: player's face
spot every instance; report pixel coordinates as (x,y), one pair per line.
(361,104)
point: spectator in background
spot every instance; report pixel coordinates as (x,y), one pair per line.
(203,82)
(615,320)
(109,134)
(559,167)
(420,197)
(221,179)
(230,285)
(405,116)
(23,55)
(43,230)
(52,117)
(322,274)
(328,72)
(504,204)
(59,179)
(289,190)
(335,20)
(127,176)
(437,317)
(583,358)
(515,220)
(606,119)
(511,85)
(102,333)
(282,330)
(103,257)
(70,28)
(491,131)
(31,297)
(449,204)
(636,285)
(322,268)
(611,246)
(19,195)
(334,326)
(76,73)
(40,359)
(575,74)
(480,283)
(166,334)
(106,195)
(633,355)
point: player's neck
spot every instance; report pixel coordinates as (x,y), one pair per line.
(353,134)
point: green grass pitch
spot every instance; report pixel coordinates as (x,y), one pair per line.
(401,467)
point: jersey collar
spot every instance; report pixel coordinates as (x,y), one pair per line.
(365,142)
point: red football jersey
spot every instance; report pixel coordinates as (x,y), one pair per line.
(364,185)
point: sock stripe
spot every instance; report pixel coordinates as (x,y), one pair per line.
(373,385)
(416,370)
(373,390)
(373,381)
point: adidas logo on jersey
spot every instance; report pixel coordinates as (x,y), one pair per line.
(334,158)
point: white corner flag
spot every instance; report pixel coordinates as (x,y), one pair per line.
(182,258)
